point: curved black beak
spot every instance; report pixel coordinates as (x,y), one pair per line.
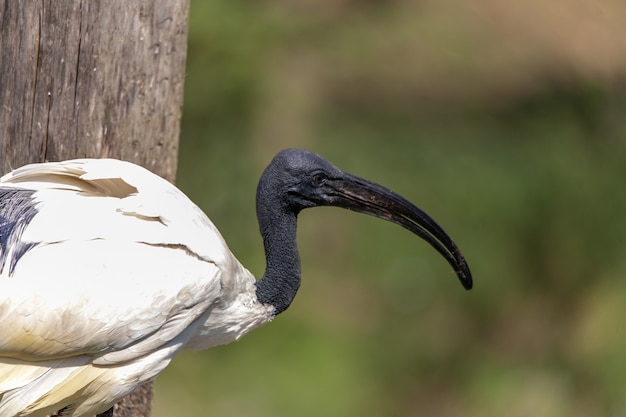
(363,196)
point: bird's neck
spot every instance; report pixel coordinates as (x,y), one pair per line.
(281,280)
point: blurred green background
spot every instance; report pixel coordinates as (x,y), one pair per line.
(503,120)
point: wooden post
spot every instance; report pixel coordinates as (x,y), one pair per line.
(83,78)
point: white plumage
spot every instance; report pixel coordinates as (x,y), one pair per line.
(122,271)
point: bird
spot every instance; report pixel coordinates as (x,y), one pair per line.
(107,271)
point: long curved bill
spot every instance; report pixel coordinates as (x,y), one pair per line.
(363,196)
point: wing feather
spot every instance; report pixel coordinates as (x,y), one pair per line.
(115,271)
(115,263)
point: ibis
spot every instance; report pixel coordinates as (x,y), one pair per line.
(107,271)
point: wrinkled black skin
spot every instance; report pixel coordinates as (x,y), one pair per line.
(297,179)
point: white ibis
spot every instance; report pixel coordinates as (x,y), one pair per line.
(107,271)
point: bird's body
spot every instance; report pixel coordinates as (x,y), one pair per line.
(107,271)
(109,285)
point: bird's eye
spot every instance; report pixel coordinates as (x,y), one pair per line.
(319,179)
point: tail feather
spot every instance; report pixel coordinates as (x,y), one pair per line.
(39,388)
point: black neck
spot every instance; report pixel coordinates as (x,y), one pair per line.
(281,280)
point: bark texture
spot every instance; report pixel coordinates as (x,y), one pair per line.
(100,79)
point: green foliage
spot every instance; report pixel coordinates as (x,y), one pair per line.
(521,161)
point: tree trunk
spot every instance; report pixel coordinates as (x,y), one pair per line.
(94,79)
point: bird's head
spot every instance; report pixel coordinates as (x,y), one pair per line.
(297,179)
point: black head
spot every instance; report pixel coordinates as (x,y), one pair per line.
(297,179)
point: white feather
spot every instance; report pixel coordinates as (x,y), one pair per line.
(125,271)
